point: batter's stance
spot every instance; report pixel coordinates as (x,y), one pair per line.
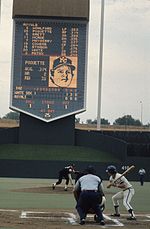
(126,193)
(66,174)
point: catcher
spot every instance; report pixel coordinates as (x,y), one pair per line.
(126,193)
(88,193)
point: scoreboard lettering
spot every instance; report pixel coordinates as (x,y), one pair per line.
(49,67)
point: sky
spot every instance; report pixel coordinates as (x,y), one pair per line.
(126,60)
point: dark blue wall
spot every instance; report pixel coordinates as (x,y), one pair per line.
(34,131)
(50,169)
(62,132)
(9,135)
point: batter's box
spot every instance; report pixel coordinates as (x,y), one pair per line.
(67,217)
(110,222)
(51,216)
(140,219)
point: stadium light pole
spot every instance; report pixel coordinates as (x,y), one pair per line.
(141,108)
(100,67)
(0,11)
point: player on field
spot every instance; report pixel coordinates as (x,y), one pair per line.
(89,194)
(141,173)
(126,193)
(65,173)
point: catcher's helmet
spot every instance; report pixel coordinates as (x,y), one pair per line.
(111,169)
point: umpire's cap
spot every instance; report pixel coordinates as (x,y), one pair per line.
(90,169)
(111,169)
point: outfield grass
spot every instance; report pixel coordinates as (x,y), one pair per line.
(49,152)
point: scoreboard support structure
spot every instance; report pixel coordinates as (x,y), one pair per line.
(49,68)
(59,132)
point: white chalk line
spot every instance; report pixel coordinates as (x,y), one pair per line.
(8,210)
(70,217)
(117,223)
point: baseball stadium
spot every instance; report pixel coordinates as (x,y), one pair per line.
(56,173)
(29,202)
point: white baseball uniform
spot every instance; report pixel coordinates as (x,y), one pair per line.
(125,194)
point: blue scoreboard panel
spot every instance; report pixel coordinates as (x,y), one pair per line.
(49,67)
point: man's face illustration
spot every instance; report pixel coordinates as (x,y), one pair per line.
(63,76)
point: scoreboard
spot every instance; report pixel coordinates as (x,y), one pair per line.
(49,67)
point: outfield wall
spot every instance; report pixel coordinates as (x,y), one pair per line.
(99,141)
(9,135)
(92,139)
(49,169)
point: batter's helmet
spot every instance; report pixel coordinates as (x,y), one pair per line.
(111,169)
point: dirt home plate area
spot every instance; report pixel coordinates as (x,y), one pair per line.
(59,219)
(62,219)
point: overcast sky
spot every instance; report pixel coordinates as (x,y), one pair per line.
(126,59)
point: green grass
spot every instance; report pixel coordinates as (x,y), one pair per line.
(10,198)
(140,201)
(48,152)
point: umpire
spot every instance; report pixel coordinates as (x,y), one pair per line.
(91,191)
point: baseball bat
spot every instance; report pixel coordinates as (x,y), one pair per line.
(123,174)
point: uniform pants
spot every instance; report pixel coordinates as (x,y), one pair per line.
(88,200)
(126,196)
(141,180)
(61,176)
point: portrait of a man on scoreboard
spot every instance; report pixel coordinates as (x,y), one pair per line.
(63,72)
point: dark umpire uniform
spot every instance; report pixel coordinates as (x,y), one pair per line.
(65,173)
(90,188)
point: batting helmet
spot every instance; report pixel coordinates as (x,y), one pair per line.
(111,169)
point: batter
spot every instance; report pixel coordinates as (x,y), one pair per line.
(126,193)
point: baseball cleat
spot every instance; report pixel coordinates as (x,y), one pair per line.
(82,222)
(95,218)
(131,218)
(102,222)
(53,186)
(115,215)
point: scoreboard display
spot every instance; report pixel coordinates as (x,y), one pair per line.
(49,67)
